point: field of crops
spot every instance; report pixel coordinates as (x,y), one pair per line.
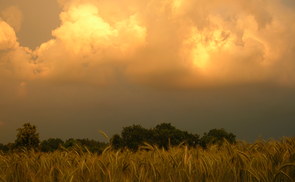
(260,161)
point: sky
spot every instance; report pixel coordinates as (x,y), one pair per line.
(75,67)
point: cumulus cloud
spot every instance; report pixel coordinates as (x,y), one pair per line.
(7,36)
(200,43)
(86,47)
(16,64)
(172,43)
(13,16)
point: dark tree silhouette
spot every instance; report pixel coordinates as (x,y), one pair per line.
(117,142)
(27,137)
(69,143)
(91,145)
(4,148)
(85,145)
(163,135)
(217,136)
(134,136)
(166,135)
(51,144)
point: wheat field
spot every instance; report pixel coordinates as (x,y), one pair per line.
(262,161)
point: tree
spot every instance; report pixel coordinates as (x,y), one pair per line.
(51,144)
(91,145)
(217,136)
(27,137)
(166,135)
(117,142)
(4,148)
(192,140)
(134,136)
(70,143)
(85,144)
(163,135)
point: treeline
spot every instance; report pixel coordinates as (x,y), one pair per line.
(27,138)
(163,135)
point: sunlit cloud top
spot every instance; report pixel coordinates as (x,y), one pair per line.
(171,43)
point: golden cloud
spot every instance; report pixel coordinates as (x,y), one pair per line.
(13,16)
(171,43)
(7,36)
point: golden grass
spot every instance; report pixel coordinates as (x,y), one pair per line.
(261,161)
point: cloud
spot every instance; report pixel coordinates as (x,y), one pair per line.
(200,43)
(16,64)
(13,16)
(85,46)
(173,43)
(7,36)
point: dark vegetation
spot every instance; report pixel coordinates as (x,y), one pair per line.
(163,135)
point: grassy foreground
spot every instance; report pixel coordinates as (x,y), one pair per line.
(260,161)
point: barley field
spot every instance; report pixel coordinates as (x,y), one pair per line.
(262,161)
